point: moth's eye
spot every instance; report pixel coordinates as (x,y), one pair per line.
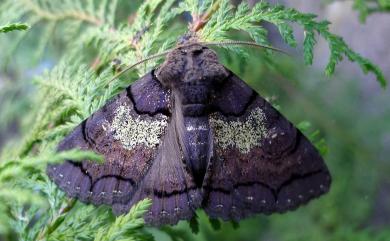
(197,52)
(155,73)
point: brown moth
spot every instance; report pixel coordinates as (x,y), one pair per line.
(191,134)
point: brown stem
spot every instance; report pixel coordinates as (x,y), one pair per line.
(200,21)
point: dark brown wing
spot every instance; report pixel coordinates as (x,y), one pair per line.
(169,183)
(135,133)
(261,162)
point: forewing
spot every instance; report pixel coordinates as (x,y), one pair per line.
(128,139)
(261,162)
(138,137)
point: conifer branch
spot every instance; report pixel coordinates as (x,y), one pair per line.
(72,91)
(13,26)
(58,16)
(367,7)
(243,18)
(56,220)
(128,226)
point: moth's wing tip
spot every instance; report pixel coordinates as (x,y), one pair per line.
(314,187)
(266,204)
(70,179)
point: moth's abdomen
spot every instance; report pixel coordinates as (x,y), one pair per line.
(197,146)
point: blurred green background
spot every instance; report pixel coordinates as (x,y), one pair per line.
(349,109)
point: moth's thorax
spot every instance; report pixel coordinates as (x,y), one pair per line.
(194,73)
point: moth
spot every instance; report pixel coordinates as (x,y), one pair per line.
(190,134)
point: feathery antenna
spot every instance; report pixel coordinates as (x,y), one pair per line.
(232,42)
(155,56)
(247,43)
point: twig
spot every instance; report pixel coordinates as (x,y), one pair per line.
(200,21)
(56,220)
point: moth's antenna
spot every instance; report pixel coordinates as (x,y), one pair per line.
(155,56)
(232,42)
(238,42)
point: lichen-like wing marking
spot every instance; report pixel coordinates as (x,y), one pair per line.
(127,131)
(261,162)
(138,137)
(169,184)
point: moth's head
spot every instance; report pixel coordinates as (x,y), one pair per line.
(193,70)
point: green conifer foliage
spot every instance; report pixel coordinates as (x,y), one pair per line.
(92,34)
